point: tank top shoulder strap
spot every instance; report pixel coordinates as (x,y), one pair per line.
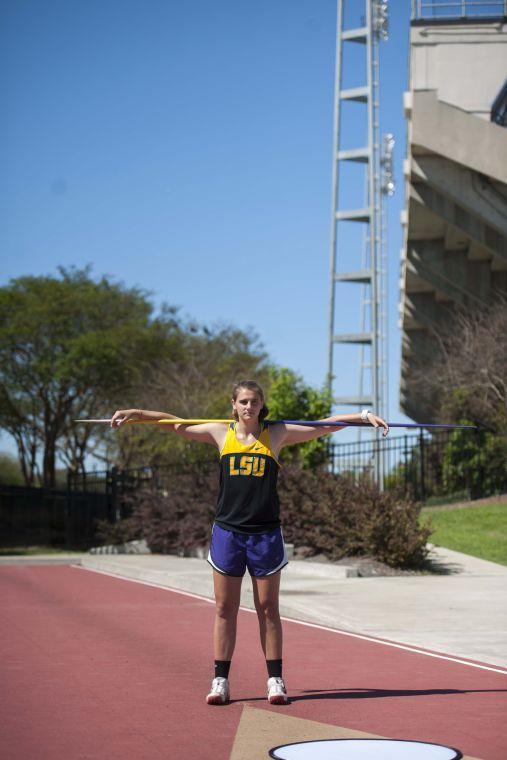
(230,440)
(265,439)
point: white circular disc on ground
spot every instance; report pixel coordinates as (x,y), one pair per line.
(364,749)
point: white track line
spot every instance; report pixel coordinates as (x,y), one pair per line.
(303,622)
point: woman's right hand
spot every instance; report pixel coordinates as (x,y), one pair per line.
(121,416)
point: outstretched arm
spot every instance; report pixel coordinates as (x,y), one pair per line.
(209,432)
(286,434)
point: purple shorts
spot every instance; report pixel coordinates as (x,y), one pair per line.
(262,553)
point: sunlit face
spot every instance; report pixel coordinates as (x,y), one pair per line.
(248,404)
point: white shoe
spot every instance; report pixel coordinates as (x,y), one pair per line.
(219,693)
(277,693)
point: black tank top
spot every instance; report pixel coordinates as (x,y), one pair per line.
(248,500)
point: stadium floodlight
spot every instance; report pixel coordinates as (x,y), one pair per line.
(381,16)
(386,161)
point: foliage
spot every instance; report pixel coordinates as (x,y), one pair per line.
(291,398)
(10,471)
(197,382)
(328,514)
(340,517)
(74,347)
(67,346)
(457,463)
(171,519)
(477,462)
(465,380)
(466,375)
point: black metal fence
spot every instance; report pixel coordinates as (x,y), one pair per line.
(420,465)
(32,516)
(100,495)
(429,468)
(67,517)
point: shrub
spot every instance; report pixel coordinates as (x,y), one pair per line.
(475,462)
(117,533)
(329,514)
(174,517)
(339,517)
(181,517)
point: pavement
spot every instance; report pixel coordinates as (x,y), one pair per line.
(461,612)
(98,666)
(92,659)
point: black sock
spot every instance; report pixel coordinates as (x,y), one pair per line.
(274,668)
(222,668)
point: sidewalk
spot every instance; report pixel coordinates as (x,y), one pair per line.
(463,613)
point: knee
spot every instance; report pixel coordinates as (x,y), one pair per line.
(268,610)
(226,609)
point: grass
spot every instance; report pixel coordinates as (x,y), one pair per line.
(479,531)
(28,551)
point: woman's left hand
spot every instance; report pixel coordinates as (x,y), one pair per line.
(377,422)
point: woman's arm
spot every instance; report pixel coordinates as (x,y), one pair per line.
(208,432)
(286,434)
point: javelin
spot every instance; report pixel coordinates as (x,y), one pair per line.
(308,423)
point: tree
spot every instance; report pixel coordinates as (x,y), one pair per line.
(475,462)
(195,382)
(74,347)
(467,381)
(199,384)
(10,471)
(291,398)
(68,347)
(468,375)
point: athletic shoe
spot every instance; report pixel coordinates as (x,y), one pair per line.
(277,693)
(219,693)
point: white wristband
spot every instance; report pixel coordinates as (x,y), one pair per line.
(364,415)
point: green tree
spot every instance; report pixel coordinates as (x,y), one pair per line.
(68,346)
(291,398)
(195,382)
(10,471)
(475,462)
(466,383)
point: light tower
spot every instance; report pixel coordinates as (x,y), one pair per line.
(364,261)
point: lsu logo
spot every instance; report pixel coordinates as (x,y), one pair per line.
(247,465)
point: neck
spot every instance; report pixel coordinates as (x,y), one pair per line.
(249,427)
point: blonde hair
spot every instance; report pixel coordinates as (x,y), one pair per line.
(250,385)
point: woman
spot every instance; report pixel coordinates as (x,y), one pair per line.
(246,532)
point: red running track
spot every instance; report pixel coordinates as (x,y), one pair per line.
(99,667)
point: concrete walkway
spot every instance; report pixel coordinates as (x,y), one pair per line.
(462,613)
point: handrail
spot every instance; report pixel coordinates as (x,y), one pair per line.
(433,9)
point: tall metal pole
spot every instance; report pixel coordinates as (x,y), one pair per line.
(367,269)
(334,203)
(373,195)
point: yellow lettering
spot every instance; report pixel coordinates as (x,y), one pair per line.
(259,466)
(245,465)
(248,465)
